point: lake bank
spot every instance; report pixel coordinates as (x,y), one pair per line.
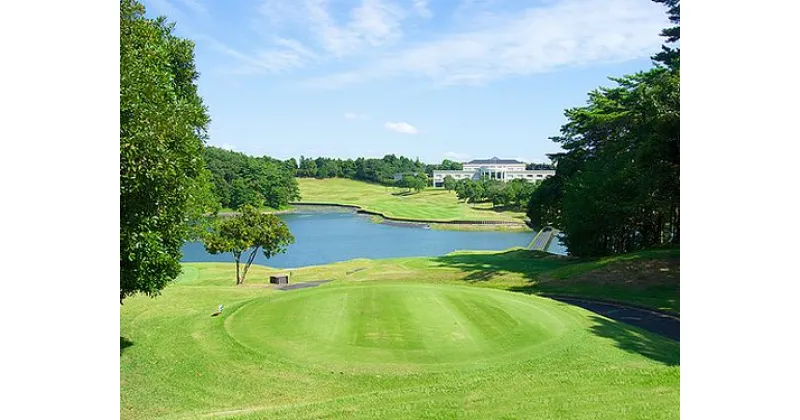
(323,236)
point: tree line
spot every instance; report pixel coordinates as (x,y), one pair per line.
(513,194)
(617,185)
(389,170)
(239,179)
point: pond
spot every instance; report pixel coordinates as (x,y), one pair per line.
(331,236)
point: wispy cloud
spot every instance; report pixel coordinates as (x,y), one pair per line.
(421,7)
(355,116)
(556,35)
(371,24)
(401,127)
(283,55)
(480,40)
(456,156)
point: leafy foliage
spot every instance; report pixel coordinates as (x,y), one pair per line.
(671,56)
(446,165)
(252,230)
(617,186)
(389,170)
(164,186)
(449,183)
(240,179)
(514,194)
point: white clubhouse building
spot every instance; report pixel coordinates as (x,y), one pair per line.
(503,169)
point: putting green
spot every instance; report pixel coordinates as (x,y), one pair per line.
(399,328)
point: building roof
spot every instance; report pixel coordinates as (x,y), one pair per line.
(494,160)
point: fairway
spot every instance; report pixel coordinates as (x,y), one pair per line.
(398,327)
(430,204)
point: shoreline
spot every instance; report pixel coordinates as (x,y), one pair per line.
(489,225)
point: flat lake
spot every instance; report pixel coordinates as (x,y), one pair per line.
(330,236)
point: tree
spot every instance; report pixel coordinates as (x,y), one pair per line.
(477,193)
(243,194)
(449,183)
(465,188)
(490,190)
(291,165)
(408,182)
(308,168)
(617,185)
(420,182)
(250,229)
(164,186)
(669,56)
(449,165)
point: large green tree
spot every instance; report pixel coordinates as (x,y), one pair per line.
(617,186)
(671,56)
(164,186)
(250,229)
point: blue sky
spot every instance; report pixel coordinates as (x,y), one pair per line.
(434,79)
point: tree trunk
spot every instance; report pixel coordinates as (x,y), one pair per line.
(249,261)
(236,257)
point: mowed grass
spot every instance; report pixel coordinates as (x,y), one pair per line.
(432,204)
(391,328)
(398,338)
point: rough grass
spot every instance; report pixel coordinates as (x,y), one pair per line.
(432,204)
(649,278)
(399,338)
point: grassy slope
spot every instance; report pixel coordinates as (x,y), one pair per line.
(181,363)
(648,278)
(429,204)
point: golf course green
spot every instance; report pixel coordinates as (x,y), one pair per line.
(397,338)
(398,327)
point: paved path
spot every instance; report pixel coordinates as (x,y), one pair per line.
(302,285)
(540,240)
(667,325)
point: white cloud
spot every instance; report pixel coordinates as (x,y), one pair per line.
(355,116)
(284,55)
(485,40)
(421,7)
(373,23)
(401,127)
(227,146)
(559,34)
(456,156)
